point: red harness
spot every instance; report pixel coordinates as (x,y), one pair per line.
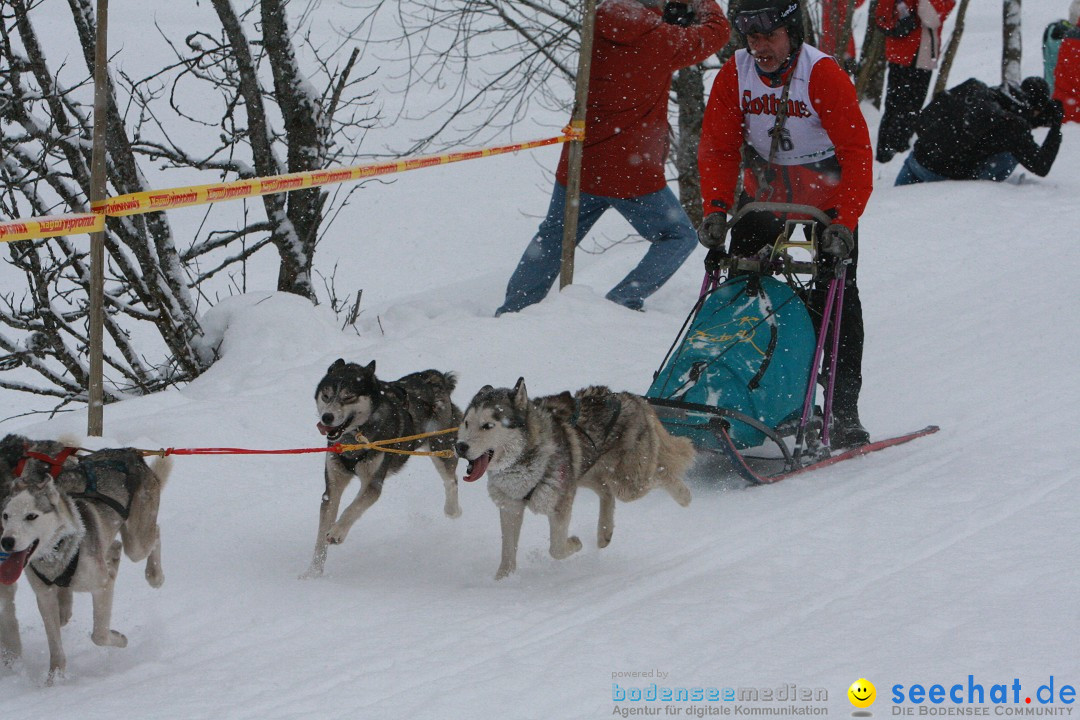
(56,464)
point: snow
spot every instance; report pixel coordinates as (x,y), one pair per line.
(923,564)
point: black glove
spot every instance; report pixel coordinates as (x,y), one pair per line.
(1055,113)
(837,241)
(715,259)
(678,13)
(713,230)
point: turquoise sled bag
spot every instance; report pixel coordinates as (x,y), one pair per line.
(748,349)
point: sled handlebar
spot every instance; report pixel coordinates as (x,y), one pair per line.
(778,207)
(784,265)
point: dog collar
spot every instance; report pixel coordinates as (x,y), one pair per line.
(56,464)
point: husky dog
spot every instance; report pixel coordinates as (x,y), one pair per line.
(351,400)
(539,453)
(10,644)
(61,521)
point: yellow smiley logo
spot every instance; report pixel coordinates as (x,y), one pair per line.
(862,693)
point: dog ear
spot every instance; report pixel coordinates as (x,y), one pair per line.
(51,491)
(12,448)
(338,364)
(370,368)
(521,395)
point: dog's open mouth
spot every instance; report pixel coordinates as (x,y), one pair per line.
(12,566)
(332,433)
(478,467)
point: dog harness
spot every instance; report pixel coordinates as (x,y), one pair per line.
(63,579)
(56,464)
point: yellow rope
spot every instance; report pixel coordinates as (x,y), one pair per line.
(364,444)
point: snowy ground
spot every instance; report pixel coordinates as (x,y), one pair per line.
(924,564)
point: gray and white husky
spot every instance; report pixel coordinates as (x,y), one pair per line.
(351,400)
(61,521)
(537,453)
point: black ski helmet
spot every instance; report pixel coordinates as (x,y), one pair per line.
(764,16)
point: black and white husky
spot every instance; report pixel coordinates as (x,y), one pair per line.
(351,401)
(537,453)
(61,522)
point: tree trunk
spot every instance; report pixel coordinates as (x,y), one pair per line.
(1011,42)
(689,88)
(870,79)
(942,81)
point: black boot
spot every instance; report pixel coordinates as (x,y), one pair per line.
(846,431)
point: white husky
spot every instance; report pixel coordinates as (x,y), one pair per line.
(68,542)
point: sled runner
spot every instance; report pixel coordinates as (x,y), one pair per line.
(745,367)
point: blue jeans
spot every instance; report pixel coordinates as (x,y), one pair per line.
(996,167)
(657,217)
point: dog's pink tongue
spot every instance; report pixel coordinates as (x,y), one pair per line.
(477,468)
(12,567)
(324,429)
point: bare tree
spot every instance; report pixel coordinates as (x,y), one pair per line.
(870,76)
(1011,41)
(44,166)
(942,81)
(45,140)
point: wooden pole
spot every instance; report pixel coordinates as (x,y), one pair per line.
(577,147)
(950,51)
(96,291)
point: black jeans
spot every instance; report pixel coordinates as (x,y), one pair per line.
(904,98)
(757,229)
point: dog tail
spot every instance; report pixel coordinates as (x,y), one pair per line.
(675,458)
(161,468)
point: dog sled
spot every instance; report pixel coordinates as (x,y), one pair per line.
(745,369)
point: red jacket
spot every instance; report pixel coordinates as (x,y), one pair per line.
(626,126)
(833,97)
(1067,78)
(902,50)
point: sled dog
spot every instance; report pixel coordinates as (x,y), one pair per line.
(351,400)
(537,453)
(61,522)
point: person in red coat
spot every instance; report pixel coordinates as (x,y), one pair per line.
(912,47)
(1061,55)
(817,153)
(637,46)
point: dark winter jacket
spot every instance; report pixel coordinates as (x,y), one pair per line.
(964,126)
(634,56)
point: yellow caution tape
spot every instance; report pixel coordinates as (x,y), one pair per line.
(156,200)
(51,226)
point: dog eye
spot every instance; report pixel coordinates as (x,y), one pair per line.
(30,517)
(487,426)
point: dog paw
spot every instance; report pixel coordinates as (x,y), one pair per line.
(572,545)
(452,511)
(110,638)
(155,577)
(603,537)
(505,571)
(315,571)
(55,673)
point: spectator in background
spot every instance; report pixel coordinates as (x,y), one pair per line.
(975,132)
(912,47)
(638,45)
(1061,61)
